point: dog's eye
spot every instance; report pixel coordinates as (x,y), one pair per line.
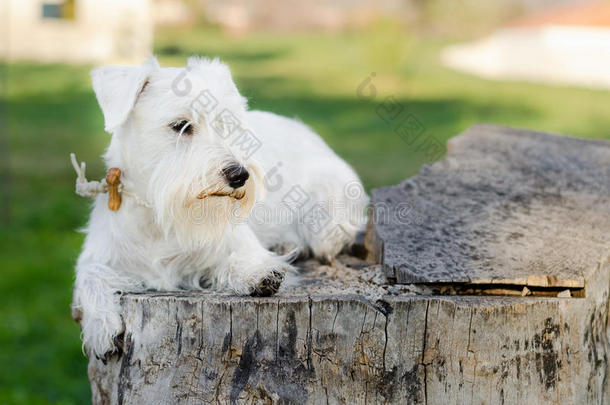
(182,127)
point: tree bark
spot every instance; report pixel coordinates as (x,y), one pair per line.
(202,348)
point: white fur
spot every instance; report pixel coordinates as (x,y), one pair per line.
(181,240)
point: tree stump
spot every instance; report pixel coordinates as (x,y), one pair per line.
(491,286)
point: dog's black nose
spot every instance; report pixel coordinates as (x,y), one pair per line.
(236,175)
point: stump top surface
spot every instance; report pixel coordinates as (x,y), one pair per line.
(506,206)
(348,279)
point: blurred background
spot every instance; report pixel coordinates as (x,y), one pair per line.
(385,82)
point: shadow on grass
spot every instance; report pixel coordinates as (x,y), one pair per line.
(175,50)
(363,133)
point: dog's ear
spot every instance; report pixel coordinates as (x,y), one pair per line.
(117,89)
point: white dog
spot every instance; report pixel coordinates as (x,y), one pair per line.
(207,189)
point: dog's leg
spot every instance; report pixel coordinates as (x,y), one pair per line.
(250,269)
(96,304)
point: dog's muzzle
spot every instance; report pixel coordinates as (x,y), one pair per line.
(235,176)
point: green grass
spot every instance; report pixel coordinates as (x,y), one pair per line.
(52,111)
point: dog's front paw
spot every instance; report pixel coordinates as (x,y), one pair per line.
(103,336)
(116,350)
(269,285)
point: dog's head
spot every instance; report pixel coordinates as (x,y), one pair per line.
(181,140)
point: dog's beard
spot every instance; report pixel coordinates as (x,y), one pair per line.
(197,211)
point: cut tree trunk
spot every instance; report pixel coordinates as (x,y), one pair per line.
(498,273)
